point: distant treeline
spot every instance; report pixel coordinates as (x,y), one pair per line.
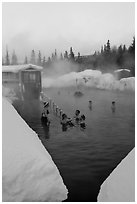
(107,59)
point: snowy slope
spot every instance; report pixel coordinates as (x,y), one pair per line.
(28,172)
(120,185)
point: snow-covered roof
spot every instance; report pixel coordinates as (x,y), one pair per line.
(120,70)
(16,68)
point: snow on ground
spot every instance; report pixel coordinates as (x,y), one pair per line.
(9,94)
(129,82)
(28,172)
(91,78)
(120,185)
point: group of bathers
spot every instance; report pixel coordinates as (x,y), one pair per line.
(70,122)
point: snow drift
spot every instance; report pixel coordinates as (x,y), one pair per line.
(90,78)
(9,93)
(28,172)
(120,185)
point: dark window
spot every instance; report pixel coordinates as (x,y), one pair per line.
(29,77)
(26,77)
(32,76)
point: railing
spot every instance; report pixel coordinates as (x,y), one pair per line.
(53,106)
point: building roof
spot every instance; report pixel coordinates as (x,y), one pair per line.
(17,68)
(120,70)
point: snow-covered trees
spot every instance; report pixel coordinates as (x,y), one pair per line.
(14,60)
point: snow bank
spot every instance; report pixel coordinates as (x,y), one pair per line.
(9,94)
(120,185)
(91,78)
(128,83)
(28,172)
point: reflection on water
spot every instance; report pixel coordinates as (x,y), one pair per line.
(85,158)
(46,129)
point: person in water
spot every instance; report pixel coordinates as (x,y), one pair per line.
(90,105)
(65,122)
(77,116)
(82,122)
(45,123)
(45,120)
(46,108)
(113,107)
(45,114)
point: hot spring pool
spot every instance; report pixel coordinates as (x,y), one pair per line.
(86,158)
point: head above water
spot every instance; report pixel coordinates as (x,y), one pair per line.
(113,102)
(43,114)
(46,104)
(77,112)
(83,117)
(90,101)
(64,116)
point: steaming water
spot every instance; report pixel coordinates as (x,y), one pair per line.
(86,158)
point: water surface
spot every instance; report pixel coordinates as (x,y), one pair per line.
(85,158)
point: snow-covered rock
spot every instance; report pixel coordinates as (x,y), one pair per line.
(120,185)
(28,172)
(128,83)
(90,78)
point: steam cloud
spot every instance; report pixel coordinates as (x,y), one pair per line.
(59,68)
(89,78)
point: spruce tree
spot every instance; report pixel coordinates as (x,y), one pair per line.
(71,55)
(49,60)
(52,57)
(39,59)
(132,47)
(14,60)
(95,53)
(108,47)
(55,55)
(32,59)
(2,61)
(44,61)
(26,60)
(7,61)
(124,48)
(61,56)
(101,49)
(79,59)
(78,54)
(120,56)
(120,50)
(66,55)
(105,49)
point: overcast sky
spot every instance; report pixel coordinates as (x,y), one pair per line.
(84,26)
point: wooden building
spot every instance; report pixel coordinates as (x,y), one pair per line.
(24,79)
